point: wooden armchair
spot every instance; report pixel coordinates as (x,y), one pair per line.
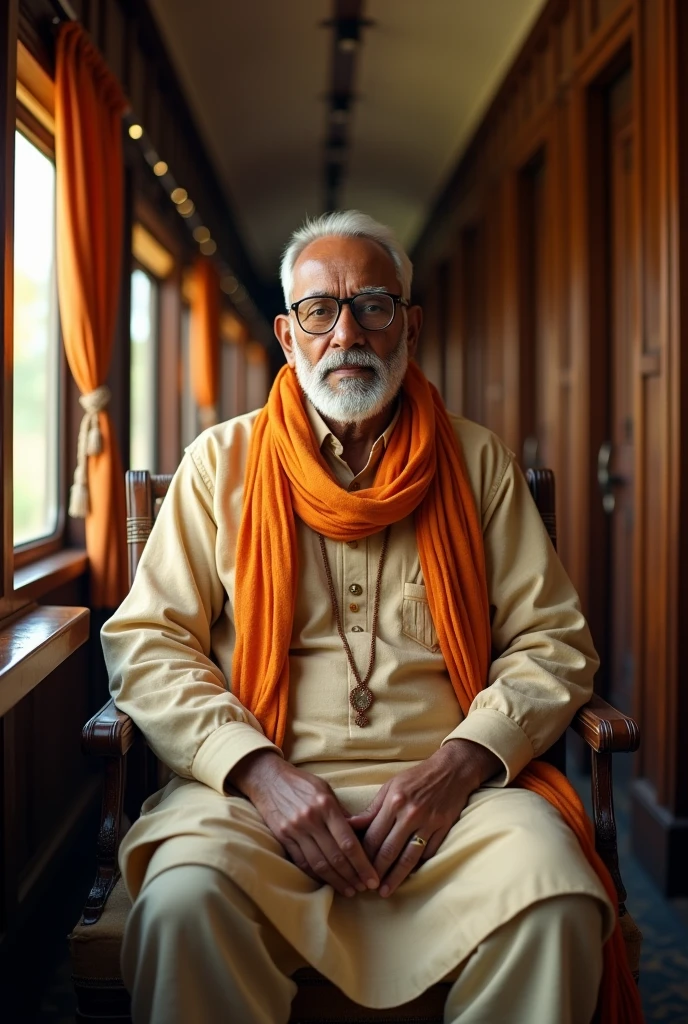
(112,735)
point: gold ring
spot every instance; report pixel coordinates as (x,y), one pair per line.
(418,841)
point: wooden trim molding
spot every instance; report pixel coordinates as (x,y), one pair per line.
(36,579)
(150,253)
(35,88)
(33,644)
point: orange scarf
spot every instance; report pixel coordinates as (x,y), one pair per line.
(423,472)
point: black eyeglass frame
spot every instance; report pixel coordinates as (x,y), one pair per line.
(397,299)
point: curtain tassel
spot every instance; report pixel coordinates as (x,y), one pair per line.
(90,443)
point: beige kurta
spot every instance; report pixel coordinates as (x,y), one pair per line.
(169,654)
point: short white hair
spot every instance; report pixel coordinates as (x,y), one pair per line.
(345,224)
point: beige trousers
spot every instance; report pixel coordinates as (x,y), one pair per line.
(197,949)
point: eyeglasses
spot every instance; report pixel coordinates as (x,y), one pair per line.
(373,311)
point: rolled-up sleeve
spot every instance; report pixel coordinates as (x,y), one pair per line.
(543,656)
(157,645)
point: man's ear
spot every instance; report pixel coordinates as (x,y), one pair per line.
(282,328)
(414,320)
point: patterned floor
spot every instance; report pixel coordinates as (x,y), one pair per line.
(664,968)
(664,924)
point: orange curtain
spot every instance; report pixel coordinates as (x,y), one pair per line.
(89,172)
(205,340)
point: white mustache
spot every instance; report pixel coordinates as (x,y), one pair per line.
(338,360)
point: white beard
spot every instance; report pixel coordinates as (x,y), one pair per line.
(352,399)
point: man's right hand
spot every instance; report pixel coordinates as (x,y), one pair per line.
(305,816)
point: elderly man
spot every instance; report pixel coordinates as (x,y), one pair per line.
(347,637)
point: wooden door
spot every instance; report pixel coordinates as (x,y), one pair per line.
(473,325)
(616,456)
(535,340)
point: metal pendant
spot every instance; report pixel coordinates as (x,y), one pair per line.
(360,699)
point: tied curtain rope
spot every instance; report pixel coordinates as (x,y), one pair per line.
(89,215)
(423,472)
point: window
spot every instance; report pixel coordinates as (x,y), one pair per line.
(153,264)
(189,410)
(143,370)
(36,347)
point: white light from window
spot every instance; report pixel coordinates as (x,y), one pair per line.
(36,347)
(143,404)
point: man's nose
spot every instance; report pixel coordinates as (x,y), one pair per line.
(347,330)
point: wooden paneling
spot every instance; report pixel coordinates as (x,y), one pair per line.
(430,346)
(455,337)
(584,238)
(45,781)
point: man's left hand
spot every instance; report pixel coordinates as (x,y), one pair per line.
(422,801)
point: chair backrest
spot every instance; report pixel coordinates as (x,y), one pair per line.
(541,483)
(145,492)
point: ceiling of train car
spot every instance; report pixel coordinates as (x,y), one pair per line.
(256,76)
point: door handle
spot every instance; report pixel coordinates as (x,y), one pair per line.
(606,479)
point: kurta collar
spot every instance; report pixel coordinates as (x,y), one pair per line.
(324,435)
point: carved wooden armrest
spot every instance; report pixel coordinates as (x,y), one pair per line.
(110,733)
(605,729)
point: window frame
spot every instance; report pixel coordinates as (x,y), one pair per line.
(163,229)
(36,129)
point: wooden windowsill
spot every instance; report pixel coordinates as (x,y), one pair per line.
(36,579)
(33,643)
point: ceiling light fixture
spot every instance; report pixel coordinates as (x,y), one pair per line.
(160,168)
(339,107)
(201,233)
(135,131)
(348,32)
(179,195)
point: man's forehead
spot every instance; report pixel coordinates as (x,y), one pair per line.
(336,258)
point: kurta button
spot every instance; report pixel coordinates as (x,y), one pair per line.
(355,589)
(353,607)
(357,629)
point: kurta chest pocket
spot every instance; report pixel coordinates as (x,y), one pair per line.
(416,620)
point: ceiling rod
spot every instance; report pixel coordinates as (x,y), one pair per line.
(346,23)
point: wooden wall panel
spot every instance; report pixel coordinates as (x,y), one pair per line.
(47,783)
(551,334)
(115,41)
(431,341)
(473,264)
(455,338)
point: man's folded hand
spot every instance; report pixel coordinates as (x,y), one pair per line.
(305,816)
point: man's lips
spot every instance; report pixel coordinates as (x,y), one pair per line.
(352,371)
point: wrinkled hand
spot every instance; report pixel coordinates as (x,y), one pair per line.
(305,816)
(427,801)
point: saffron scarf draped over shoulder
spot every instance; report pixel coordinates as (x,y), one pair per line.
(422,472)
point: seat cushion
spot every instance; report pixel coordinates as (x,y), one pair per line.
(95,948)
